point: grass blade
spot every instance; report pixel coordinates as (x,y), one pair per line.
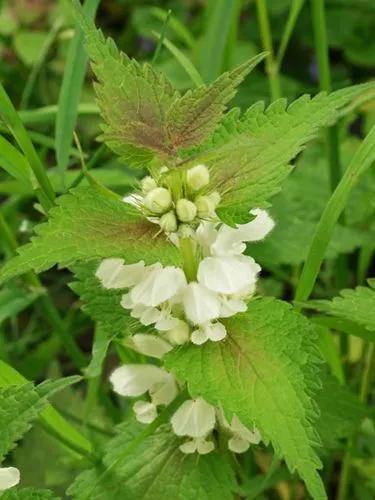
(14,162)
(174,24)
(220,15)
(361,161)
(15,125)
(294,11)
(70,92)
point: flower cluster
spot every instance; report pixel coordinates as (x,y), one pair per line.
(177,202)
(182,311)
(195,420)
(185,306)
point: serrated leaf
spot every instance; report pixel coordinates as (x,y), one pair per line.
(356,305)
(88,224)
(144,116)
(340,412)
(158,470)
(265,372)
(19,406)
(249,163)
(28,494)
(50,387)
(195,115)
(103,306)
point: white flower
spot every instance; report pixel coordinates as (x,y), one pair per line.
(228,275)
(201,445)
(230,241)
(186,210)
(113,273)
(194,418)
(159,284)
(205,206)
(208,331)
(241,437)
(231,305)
(168,222)
(145,412)
(136,380)
(179,334)
(9,477)
(148,184)
(200,304)
(149,345)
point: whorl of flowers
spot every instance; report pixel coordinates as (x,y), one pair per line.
(185,304)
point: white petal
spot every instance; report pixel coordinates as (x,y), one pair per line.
(205,446)
(199,336)
(149,345)
(216,332)
(200,304)
(149,315)
(228,242)
(227,274)
(166,323)
(113,273)
(238,445)
(206,235)
(194,418)
(133,199)
(189,447)
(9,477)
(243,432)
(126,301)
(135,380)
(230,307)
(145,412)
(258,228)
(179,334)
(164,392)
(158,286)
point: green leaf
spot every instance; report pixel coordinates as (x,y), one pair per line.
(356,305)
(70,91)
(14,300)
(249,157)
(19,406)
(195,115)
(265,372)
(28,494)
(340,412)
(144,116)
(103,306)
(49,387)
(158,470)
(91,223)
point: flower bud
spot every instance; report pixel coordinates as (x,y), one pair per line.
(158,200)
(198,177)
(179,334)
(186,210)
(148,184)
(205,206)
(168,222)
(215,198)
(185,231)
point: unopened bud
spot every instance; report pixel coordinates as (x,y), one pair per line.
(158,200)
(185,231)
(148,184)
(205,206)
(215,198)
(198,177)
(179,334)
(186,210)
(168,222)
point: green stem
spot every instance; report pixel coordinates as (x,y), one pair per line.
(49,310)
(367,374)
(161,38)
(189,258)
(266,37)
(362,160)
(364,262)
(15,125)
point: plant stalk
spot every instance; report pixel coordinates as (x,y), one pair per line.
(266,37)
